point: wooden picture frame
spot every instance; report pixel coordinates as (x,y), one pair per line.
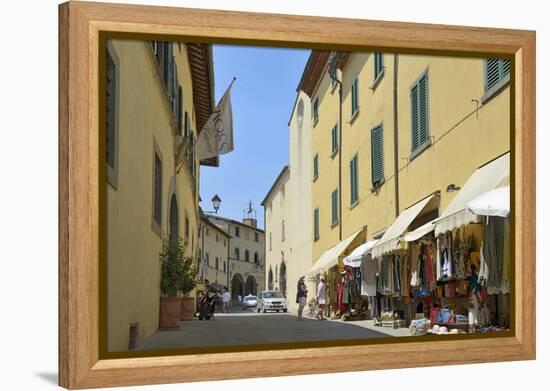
(80,26)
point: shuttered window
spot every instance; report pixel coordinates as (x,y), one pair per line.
(377,154)
(354,96)
(334,197)
(316,224)
(187,125)
(334,139)
(354,180)
(378,64)
(316,166)
(158,190)
(111,111)
(419,114)
(180,111)
(495,71)
(315,110)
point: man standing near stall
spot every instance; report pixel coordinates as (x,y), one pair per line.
(321,298)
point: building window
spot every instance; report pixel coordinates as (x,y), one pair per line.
(315,110)
(224,267)
(180,111)
(270,242)
(316,224)
(247,256)
(334,140)
(224,243)
(256,258)
(496,70)
(237,253)
(283,231)
(316,166)
(237,232)
(334,197)
(378,64)
(377,154)
(354,97)
(217,238)
(419,114)
(186,125)
(217,263)
(186,227)
(158,190)
(207,259)
(354,180)
(256,237)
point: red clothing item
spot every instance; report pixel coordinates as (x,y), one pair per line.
(429,270)
(341,307)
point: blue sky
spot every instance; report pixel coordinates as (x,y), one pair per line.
(262,98)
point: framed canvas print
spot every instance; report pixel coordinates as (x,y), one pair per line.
(256,191)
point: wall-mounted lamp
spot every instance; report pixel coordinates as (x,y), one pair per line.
(452,187)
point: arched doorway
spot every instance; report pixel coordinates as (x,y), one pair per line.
(282,279)
(237,286)
(250,286)
(270,279)
(174,218)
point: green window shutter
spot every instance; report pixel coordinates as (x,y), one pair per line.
(492,73)
(378,64)
(334,138)
(316,223)
(334,207)
(354,95)
(423,110)
(315,166)
(158,190)
(419,114)
(377,154)
(354,185)
(414,119)
(315,109)
(187,125)
(180,110)
(111,107)
(505,67)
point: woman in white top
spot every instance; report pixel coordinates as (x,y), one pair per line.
(321,298)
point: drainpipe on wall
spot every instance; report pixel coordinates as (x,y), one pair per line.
(395,134)
(332,73)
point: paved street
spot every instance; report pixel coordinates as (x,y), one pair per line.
(247,327)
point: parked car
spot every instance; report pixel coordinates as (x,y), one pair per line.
(271,301)
(250,301)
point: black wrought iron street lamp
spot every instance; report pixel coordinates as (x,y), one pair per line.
(216,201)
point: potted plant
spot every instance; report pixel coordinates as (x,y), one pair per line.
(172,262)
(186,285)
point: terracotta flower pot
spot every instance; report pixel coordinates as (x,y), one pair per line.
(187,308)
(170,310)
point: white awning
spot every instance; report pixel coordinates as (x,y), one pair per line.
(419,232)
(330,257)
(493,203)
(355,258)
(488,177)
(390,240)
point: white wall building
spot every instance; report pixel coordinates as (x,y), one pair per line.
(289,200)
(214,253)
(246,260)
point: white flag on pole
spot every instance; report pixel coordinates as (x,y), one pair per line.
(216,137)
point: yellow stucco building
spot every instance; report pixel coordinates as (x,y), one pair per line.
(408,127)
(159,95)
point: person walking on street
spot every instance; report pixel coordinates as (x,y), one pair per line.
(226,298)
(321,298)
(301,297)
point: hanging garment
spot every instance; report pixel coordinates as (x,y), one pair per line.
(340,296)
(354,294)
(430,281)
(505,280)
(346,292)
(494,238)
(414,265)
(438,258)
(371,269)
(483,267)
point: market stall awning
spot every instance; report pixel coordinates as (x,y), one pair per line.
(493,203)
(355,258)
(493,175)
(419,232)
(390,240)
(330,257)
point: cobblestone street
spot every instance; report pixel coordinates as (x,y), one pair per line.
(248,327)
